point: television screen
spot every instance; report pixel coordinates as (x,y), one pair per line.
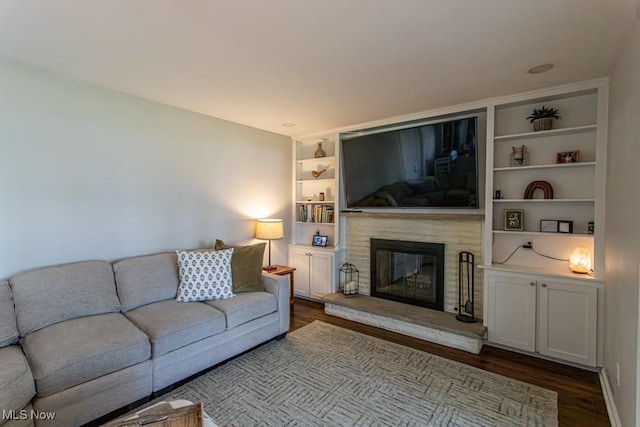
(427,166)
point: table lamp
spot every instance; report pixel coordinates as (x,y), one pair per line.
(269,229)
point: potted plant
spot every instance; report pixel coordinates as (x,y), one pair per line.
(542,118)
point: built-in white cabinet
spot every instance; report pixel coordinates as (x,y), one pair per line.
(532,301)
(512,311)
(315,271)
(315,194)
(315,204)
(552,316)
(569,159)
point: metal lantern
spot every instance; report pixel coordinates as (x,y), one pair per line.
(349,279)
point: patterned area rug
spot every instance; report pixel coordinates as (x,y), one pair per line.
(324,375)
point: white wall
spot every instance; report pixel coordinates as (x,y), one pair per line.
(623,231)
(87,173)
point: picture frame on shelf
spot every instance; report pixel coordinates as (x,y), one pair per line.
(514,220)
(319,240)
(548,226)
(565,226)
(568,157)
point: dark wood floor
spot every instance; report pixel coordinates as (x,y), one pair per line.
(580,401)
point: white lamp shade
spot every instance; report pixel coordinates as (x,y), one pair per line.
(269,229)
(580,260)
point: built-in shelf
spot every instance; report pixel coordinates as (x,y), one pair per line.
(315,202)
(540,271)
(547,166)
(540,233)
(543,200)
(302,181)
(317,223)
(552,132)
(326,159)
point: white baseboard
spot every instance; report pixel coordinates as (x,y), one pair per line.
(607,392)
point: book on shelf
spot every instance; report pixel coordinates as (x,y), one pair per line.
(315,213)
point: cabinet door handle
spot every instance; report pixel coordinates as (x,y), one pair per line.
(544,285)
(532,283)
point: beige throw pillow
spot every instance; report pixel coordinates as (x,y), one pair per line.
(246,266)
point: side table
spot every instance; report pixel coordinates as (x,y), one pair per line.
(282,270)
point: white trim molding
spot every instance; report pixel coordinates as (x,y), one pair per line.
(607,393)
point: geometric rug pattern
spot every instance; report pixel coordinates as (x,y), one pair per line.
(324,375)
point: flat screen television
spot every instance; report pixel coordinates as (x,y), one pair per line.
(425,166)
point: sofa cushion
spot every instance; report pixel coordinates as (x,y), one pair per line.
(16,381)
(398,190)
(246,266)
(8,331)
(171,324)
(79,350)
(245,307)
(146,279)
(204,275)
(54,294)
(424,185)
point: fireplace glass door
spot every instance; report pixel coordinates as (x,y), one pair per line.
(404,275)
(409,272)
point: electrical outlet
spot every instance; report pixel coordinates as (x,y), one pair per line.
(618,374)
(528,244)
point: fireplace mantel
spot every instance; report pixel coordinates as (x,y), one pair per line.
(415,216)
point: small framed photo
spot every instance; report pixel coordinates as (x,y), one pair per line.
(565,226)
(568,157)
(514,220)
(319,240)
(549,226)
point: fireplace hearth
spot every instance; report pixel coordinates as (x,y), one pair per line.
(408,272)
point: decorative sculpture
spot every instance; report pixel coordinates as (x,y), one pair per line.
(539,185)
(319,152)
(316,174)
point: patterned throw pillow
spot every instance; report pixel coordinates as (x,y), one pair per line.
(204,275)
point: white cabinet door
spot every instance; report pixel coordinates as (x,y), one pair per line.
(299,259)
(568,321)
(314,272)
(321,274)
(512,311)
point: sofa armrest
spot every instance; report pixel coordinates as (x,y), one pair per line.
(280,288)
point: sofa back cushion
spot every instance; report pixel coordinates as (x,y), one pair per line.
(50,295)
(8,331)
(146,279)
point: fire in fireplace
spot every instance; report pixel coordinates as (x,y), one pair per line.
(409,272)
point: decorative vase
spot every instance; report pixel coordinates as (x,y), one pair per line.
(319,152)
(544,123)
(519,156)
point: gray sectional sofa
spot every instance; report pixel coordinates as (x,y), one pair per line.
(17,387)
(99,336)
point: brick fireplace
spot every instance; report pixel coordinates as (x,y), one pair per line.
(457,232)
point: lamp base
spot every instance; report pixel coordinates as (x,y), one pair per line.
(269,267)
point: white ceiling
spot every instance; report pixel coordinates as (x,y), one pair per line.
(320,64)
